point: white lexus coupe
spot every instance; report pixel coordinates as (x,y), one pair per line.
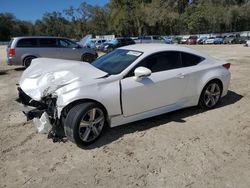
(128,84)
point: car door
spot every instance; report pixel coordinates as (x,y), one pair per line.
(69,49)
(48,48)
(165,86)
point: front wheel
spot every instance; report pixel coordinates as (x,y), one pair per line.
(210,95)
(85,123)
(88,58)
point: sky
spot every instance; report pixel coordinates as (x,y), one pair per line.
(31,10)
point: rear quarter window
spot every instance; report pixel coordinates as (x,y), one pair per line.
(190,59)
(27,43)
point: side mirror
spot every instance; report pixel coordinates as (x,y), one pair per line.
(142,72)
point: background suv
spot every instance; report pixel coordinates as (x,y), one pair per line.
(21,50)
(109,46)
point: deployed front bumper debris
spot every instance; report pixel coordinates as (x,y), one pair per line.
(43,124)
(44,115)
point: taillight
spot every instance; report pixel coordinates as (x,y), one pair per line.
(12,52)
(227,65)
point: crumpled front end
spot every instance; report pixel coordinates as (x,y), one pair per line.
(44,81)
(44,113)
(34,109)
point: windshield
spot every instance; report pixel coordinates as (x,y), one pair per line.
(116,61)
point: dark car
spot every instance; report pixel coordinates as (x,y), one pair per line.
(234,39)
(192,40)
(116,43)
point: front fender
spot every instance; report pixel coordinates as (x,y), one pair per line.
(108,94)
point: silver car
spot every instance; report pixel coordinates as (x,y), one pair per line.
(21,50)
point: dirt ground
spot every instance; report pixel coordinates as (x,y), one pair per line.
(186,148)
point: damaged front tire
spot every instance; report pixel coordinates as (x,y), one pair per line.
(85,123)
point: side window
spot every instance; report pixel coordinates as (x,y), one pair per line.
(156,37)
(47,42)
(162,61)
(67,44)
(190,59)
(159,62)
(27,43)
(147,38)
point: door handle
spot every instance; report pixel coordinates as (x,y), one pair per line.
(181,75)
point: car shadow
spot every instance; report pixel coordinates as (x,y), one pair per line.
(112,134)
(19,69)
(3,72)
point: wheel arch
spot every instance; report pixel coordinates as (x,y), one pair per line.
(78,101)
(28,55)
(215,79)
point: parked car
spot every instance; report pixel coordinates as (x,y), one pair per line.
(184,40)
(218,40)
(126,85)
(22,50)
(95,43)
(176,39)
(192,40)
(210,40)
(151,39)
(109,46)
(201,40)
(247,43)
(168,40)
(90,43)
(234,39)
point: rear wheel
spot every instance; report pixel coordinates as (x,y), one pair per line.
(88,58)
(27,61)
(210,95)
(85,123)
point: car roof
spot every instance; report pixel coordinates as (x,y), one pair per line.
(25,37)
(153,48)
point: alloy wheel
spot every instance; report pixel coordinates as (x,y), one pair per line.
(212,95)
(91,125)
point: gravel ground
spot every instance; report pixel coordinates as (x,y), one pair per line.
(186,148)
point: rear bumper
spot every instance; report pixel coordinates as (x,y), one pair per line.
(13,61)
(226,83)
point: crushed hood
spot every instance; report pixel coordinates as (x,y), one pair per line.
(45,75)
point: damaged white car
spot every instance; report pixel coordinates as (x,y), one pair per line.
(129,84)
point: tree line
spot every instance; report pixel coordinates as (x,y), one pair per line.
(133,18)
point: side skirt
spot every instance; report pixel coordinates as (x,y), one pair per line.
(120,120)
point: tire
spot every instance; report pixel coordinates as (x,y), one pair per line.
(88,57)
(27,61)
(210,95)
(85,123)
(110,49)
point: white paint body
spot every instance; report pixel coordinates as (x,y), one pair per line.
(248,43)
(126,99)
